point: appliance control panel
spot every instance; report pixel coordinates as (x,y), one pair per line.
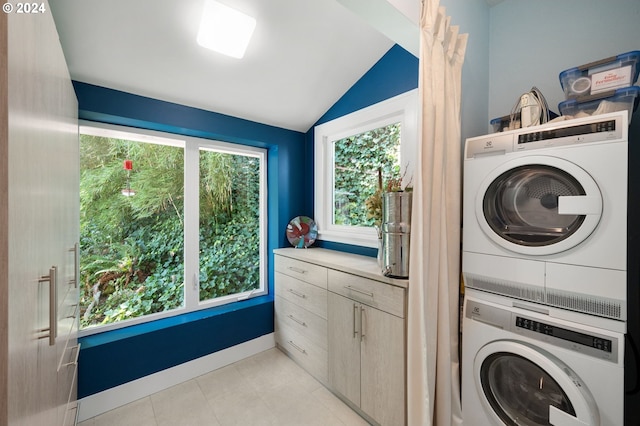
(606,129)
(587,340)
(611,127)
(541,328)
(599,346)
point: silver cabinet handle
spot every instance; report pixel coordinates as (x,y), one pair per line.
(76,262)
(296,347)
(75,361)
(298,270)
(355,313)
(357,290)
(76,408)
(302,323)
(53,305)
(292,291)
(362,319)
(76,308)
(77,412)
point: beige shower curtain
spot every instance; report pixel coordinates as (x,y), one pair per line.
(433,392)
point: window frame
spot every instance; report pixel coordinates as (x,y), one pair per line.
(401,109)
(192,147)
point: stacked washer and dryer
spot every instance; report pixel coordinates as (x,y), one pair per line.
(545,271)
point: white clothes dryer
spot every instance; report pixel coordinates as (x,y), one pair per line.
(524,368)
(545,214)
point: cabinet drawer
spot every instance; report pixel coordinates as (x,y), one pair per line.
(308,355)
(67,332)
(377,294)
(307,272)
(307,296)
(302,321)
(69,411)
(67,383)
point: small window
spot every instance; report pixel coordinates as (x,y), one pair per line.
(357,162)
(352,154)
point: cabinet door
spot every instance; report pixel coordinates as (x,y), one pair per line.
(343,334)
(40,198)
(383,367)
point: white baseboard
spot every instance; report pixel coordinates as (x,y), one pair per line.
(118,396)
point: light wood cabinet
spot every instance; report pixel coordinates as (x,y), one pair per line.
(367,358)
(382,358)
(374,293)
(344,344)
(39,225)
(301,314)
(339,306)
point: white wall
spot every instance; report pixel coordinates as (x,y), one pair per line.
(531,42)
(518,44)
(409,8)
(473,18)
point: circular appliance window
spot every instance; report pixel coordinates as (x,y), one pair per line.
(521,392)
(521,386)
(520,205)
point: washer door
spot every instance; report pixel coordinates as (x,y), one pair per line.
(522,386)
(538,205)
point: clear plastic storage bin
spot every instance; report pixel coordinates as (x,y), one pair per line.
(614,100)
(504,123)
(601,76)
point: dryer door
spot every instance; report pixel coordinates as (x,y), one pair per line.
(538,205)
(521,385)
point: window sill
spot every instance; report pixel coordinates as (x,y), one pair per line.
(112,336)
(364,240)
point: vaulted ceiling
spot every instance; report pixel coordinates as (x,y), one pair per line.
(304,55)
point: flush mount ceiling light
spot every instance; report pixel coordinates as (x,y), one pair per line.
(224,29)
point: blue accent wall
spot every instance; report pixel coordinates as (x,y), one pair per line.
(115,357)
(112,358)
(395,73)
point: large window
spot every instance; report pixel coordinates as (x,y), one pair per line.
(168,225)
(352,154)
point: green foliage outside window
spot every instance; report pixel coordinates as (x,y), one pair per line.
(132,247)
(229,234)
(356,162)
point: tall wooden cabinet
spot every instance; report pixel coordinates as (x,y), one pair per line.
(39,224)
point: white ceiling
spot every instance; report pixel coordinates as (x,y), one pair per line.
(304,55)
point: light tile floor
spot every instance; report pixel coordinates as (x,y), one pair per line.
(265,389)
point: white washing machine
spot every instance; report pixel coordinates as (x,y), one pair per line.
(524,368)
(545,214)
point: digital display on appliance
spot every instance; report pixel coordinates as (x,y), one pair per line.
(564,334)
(563,132)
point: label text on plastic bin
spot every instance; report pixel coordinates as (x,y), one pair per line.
(611,79)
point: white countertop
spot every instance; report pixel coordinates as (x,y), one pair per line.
(355,264)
